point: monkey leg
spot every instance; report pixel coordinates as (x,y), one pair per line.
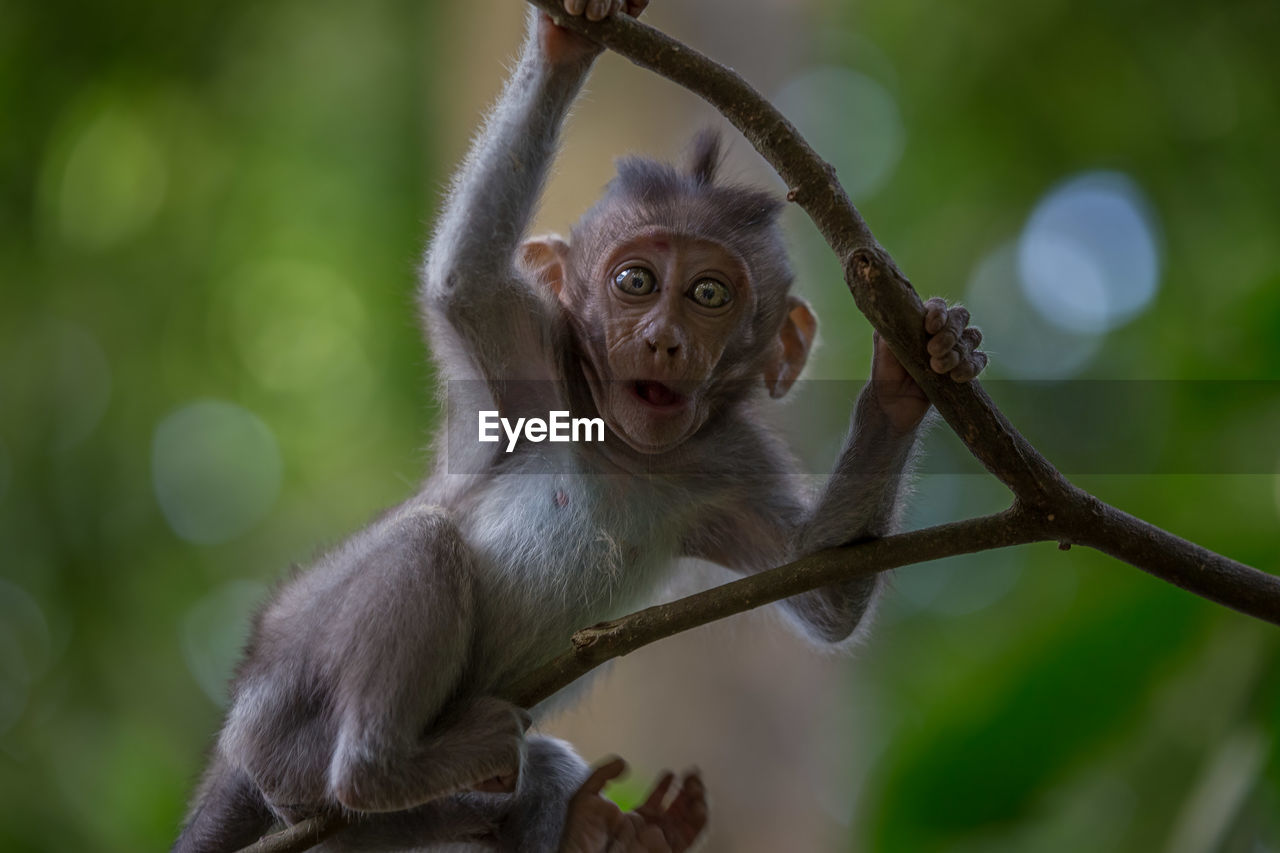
(229,813)
(475,741)
(409,726)
(530,820)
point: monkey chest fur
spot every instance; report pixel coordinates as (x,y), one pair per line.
(571,548)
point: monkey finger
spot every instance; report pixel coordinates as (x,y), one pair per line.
(691,790)
(692,819)
(683,829)
(575,7)
(935,315)
(688,812)
(614,817)
(957,320)
(972,360)
(611,768)
(597,10)
(652,805)
(940,343)
(651,840)
(970,367)
(622,837)
(946,363)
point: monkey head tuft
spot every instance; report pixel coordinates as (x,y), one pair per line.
(706,157)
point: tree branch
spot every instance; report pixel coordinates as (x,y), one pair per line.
(887,299)
(607,640)
(1047,506)
(301,836)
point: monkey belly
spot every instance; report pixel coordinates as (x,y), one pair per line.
(557,552)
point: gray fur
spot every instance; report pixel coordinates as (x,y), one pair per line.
(369,679)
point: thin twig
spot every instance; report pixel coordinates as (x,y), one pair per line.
(301,836)
(599,643)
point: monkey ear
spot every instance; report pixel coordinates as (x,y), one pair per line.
(545,259)
(792,349)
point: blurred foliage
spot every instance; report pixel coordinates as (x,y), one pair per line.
(222,203)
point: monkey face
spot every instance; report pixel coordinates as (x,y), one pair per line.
(669,326)
(666,306)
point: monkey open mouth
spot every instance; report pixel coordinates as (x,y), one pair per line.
(657,395)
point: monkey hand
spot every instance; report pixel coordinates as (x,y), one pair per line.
(565,47)
(953,350)
(595,825)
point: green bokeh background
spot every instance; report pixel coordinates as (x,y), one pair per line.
(224,201)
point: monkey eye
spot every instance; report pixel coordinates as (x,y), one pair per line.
(710,293)
(637,281)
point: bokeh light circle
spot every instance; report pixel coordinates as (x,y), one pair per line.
(6,471)
(80,378)
(64,400)
(963,584)
(25,650)
(1088,256)
(298,327)
(852,120)
(113,182)
(214,631)
(1020,342)
(14,682)
(216,470)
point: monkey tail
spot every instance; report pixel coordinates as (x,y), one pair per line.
(230,812)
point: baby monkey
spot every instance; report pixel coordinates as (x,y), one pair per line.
(371,681)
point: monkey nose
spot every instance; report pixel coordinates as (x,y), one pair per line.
(655,345)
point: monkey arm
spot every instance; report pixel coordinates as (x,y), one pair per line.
(863,496)
(768,522)
(862,499)
(471,292)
